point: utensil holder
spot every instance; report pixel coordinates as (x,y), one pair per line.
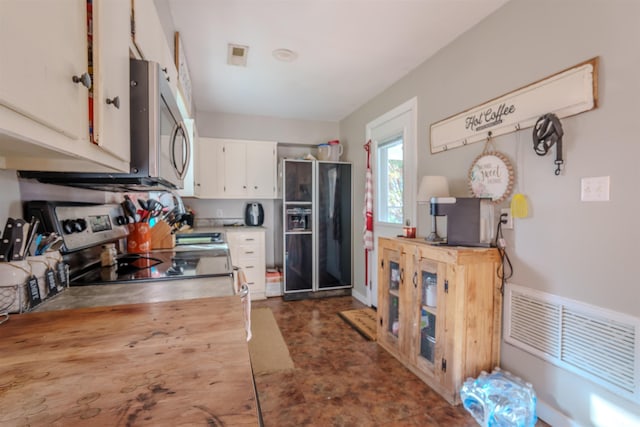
(161,236)
(139,238)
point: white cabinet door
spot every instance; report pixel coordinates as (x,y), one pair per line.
(241,169)
(151,41)
(147,29)
(235,169)
(261,169)
(43,44)
(111,32)
(210,171)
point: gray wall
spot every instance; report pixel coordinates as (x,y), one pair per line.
(584,251)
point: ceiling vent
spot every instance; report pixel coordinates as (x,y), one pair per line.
(237,55)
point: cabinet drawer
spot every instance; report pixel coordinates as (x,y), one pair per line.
(249,250)
(253,275)
(245,237)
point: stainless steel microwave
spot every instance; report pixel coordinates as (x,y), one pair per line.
(160,141)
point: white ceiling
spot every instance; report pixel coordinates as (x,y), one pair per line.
(348,50)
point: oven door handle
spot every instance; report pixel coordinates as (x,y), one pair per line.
(244,290)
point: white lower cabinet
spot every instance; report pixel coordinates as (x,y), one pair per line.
(248,249)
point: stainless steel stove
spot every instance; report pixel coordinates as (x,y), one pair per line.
(86,227)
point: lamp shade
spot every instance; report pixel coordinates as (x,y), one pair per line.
(432,186)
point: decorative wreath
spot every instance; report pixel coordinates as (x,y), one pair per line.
(491,175)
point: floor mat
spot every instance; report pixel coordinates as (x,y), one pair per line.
(362,320)
(267,349)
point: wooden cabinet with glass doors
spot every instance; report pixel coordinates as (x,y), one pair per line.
(439,310)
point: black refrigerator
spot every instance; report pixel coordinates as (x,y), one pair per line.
(317,244)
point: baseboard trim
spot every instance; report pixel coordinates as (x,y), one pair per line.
(553,417)
(360,297)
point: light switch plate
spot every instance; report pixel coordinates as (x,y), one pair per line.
(594,189)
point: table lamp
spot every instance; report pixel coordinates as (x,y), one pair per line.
(432,186)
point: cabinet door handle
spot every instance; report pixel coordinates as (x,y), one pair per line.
(84,79)
(248,252)
(249,240)
(115,101)
(249,266)
(415,279)
(255,187)
(402,275)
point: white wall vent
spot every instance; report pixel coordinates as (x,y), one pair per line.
(598,344)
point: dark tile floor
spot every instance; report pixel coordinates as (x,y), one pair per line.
(340,378)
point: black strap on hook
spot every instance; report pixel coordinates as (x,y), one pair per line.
(547,132)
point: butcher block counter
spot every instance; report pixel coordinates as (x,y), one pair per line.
(166,363)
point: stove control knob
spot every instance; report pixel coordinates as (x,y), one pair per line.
(67,226)
(80,225)
(121,220)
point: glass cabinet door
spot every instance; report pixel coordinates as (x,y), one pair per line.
(427,338)
(391,278)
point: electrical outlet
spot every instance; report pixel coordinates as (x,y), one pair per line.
(508,224)
(219,213)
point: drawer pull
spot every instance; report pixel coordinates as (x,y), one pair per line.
(248,252)
(249,240)
(249,266)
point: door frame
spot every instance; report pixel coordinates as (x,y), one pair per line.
(410,166)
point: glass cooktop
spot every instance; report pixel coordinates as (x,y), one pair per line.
(160,265)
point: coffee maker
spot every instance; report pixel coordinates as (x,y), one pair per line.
(470,220)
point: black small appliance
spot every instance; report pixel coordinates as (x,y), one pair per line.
(254,214)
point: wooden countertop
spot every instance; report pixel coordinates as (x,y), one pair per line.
(166,363)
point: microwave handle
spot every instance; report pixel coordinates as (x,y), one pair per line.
(181,172)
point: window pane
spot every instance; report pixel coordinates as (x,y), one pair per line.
(390,181)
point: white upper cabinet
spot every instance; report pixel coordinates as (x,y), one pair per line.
(209,169)
(43,45)
(236,169)
(45,89)
(111,22)
(151,41)
(261,170)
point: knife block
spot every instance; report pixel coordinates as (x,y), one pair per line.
(161,236)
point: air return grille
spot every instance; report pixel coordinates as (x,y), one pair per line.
(598,344)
